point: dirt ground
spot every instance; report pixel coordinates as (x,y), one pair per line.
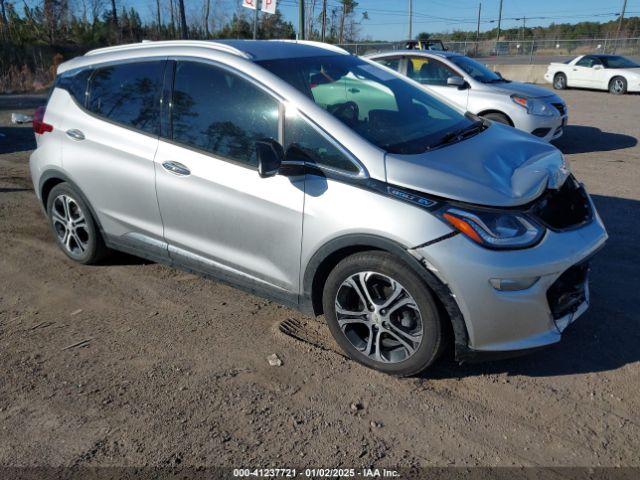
(173,371)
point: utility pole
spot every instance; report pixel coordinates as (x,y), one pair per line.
(410,19)
(324,19)
(478,29)
(301,20)
(624,9)
(255,22)
(499,22)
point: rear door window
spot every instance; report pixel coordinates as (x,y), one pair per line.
(393,63)
(429,71)
(128,94)
(221,113)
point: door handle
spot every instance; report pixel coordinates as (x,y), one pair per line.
(75,134)
(353,90)
(176,168)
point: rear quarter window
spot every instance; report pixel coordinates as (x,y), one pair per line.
(128,94)
(75,83)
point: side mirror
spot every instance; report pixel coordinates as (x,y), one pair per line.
(270,155)
(498,74)
(597,67)
(455,81)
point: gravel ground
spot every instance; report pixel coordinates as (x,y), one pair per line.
(172,368)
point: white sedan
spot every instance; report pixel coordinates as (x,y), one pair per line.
(617,74)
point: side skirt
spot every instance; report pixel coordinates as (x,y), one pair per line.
(159,252)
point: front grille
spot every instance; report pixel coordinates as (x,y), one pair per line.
(568,292)
(561,107)
(566,208)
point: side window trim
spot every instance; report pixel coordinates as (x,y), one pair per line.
(94,69)
(362,171)
(174,59)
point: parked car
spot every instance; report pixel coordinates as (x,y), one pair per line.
(617,74)
(475,88)
(435,44)
(383,208)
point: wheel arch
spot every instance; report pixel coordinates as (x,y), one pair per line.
(493,110)
(330,254)
(52,177)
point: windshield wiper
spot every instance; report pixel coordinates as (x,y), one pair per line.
(459,134)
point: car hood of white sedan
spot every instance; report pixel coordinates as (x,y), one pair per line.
(500,167)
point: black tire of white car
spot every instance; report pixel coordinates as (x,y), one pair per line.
(618,85)
(560,81)
(383,263)
(73,227)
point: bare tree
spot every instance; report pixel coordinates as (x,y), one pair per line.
(4,28)
(207,8)
(172,18)
(159,20)
(183,20)
(114,13)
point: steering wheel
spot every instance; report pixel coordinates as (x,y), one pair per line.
(348,112)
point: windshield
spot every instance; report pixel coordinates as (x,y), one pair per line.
(476,70)
(618,62)
(386,110)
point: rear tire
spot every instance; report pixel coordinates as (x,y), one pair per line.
(498,117)
(560,81)
(618,86)
(382,314)
(73,226)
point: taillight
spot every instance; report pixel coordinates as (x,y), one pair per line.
(38,122)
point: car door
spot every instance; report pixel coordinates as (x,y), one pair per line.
(219,216)
(581,74)
(110,143)
(434,74)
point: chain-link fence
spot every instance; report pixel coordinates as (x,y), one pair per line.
(525,51)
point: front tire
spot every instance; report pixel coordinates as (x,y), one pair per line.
(73,226)
(382,314)
(618,86)
(560,81)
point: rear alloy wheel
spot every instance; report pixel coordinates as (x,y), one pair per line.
(618,86)
(382,314)
(560,81)
(73,226)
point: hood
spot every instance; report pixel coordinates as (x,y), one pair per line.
(500,167)
(526,89)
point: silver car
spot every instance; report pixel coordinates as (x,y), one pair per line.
(477,89)
(327,183)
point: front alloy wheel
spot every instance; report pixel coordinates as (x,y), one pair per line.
(382,313)
(379,317)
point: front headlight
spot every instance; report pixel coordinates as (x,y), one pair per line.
(534,106)
(494,229)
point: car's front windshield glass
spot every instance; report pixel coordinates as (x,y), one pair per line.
(476,70)
(386,110)
(618,62)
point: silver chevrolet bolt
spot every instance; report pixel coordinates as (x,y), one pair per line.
(322,181)
(477,89)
